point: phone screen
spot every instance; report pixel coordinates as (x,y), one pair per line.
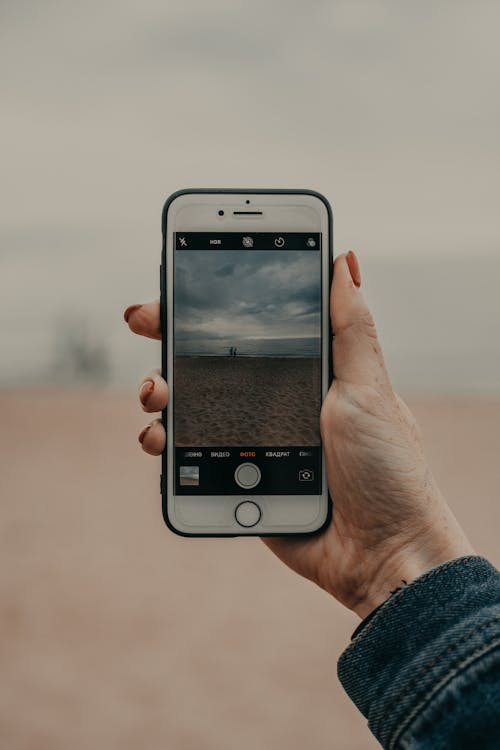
(247,363)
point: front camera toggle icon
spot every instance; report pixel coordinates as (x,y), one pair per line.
(306,475)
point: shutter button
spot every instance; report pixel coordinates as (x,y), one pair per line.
(247,476)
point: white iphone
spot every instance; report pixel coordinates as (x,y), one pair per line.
(246,352)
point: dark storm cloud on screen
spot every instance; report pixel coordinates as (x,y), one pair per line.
(247,294)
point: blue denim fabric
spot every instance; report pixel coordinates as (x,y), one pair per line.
(425,669)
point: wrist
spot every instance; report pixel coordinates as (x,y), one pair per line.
(405,566)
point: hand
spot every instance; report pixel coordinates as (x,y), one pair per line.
(390,522)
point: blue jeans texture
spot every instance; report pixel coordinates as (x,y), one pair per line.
(425,668)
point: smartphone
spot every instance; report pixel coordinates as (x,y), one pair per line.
(246,351)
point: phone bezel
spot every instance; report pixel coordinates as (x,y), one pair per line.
(205,218)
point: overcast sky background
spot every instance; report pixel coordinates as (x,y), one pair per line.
(390,109)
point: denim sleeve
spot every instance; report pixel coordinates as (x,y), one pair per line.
(425,668)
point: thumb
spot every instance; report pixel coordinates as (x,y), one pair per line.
(357,355)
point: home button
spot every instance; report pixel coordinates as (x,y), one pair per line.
(247,476)
(247,513)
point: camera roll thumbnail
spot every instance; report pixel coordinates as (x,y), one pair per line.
(189,476)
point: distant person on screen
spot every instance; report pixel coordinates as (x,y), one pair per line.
(423,666)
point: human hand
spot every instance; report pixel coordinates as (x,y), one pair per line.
(390,522)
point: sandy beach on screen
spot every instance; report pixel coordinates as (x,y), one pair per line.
(224,401)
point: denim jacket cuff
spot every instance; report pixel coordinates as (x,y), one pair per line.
(413,640)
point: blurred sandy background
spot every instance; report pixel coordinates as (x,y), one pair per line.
(113,632)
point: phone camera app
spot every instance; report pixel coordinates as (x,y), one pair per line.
(247,338)
(306,475)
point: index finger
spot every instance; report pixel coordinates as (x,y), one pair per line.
(144,319)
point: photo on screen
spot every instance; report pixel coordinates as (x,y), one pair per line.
(247,345)
(189,476)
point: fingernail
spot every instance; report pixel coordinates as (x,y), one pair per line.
(145,391)
(353,264)
(143,432)
(130,310)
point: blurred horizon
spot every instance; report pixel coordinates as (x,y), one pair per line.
(437,321)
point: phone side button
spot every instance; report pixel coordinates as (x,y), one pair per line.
(248,513)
